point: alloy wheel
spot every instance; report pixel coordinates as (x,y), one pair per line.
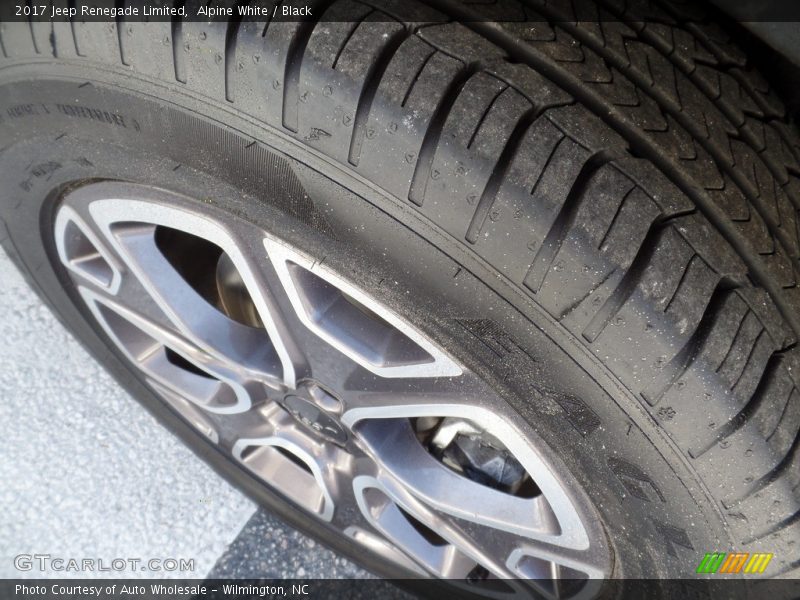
(327,396)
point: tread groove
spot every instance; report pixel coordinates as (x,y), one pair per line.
(749,357)
(354,27)
(614,219)
(231,39)
(746,413)
(176,27)
(627,284)
(685,273)
(778,423)
(33,34)
(731,68)
(483,116)
(568,309)
(499,172)
(430,141)
(546,253)
(418,74)
(294,62)
(270,17)
(787,522)
(651,39)
(120,25)
(680,117)
(553,151)
(683,360)
(733,339)
(640,145)
(372,82)
(73,6)
(770,477)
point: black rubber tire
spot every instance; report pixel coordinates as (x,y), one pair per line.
(601,219)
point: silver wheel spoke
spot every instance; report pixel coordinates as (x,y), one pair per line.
(130,227)
(352,322)
(325,395)
(209,328)
(451,547)
(163,354)
(546,516)
(555,575)
(382,399)
(293,467)
(433,541)
(81,250)
(445,490)
(196,417)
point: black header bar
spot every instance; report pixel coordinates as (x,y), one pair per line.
(267,11)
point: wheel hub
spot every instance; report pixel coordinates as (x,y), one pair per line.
(317,411)
(324,394)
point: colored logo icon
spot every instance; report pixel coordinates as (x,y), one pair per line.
(734,562)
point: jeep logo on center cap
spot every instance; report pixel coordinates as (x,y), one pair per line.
(314,418)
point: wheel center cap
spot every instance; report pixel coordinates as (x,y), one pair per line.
(312,414)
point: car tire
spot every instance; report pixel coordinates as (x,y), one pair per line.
(597,220)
